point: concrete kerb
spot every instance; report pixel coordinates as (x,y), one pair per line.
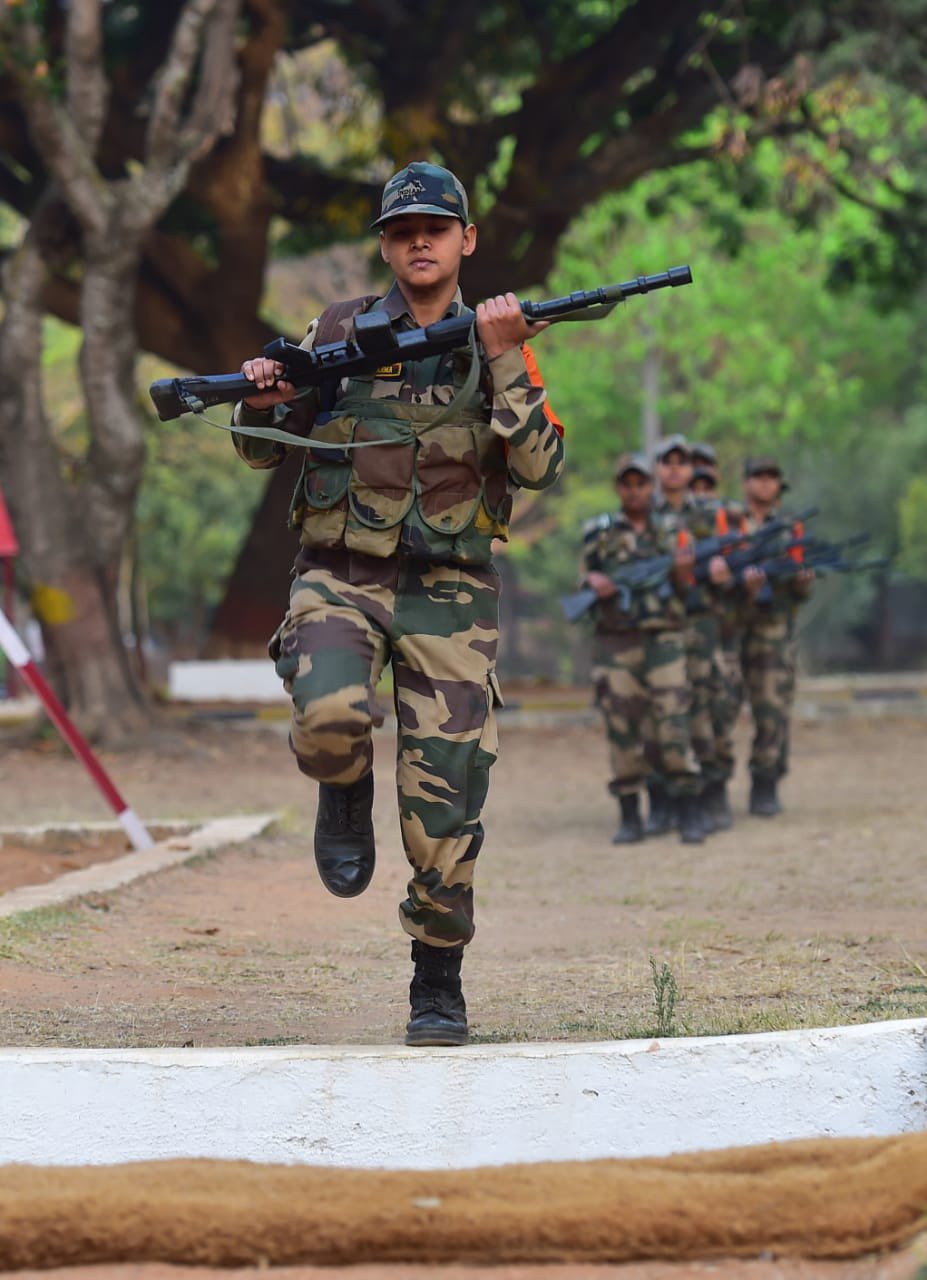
(483,1105)
(106,876)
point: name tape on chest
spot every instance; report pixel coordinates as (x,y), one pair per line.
(389,371)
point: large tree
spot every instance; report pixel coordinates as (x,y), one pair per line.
(74,513)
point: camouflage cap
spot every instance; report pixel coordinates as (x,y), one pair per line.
(763,462)
(632,462)
(677,443)
(706,474)
(423,188)
(703,453)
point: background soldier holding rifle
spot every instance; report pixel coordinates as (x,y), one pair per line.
(639,661)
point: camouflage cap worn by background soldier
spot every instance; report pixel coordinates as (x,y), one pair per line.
(423,188)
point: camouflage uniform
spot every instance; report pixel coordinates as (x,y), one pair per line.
(768,653)
(639,664)
(394,565)
(700,517)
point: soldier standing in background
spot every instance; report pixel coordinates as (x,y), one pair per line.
(726,693)
(639,661)
(394,565)
(768,642)
(701,518)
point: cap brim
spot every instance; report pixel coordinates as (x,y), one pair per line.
(416,208)
(626,471)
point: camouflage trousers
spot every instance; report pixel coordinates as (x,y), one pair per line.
(767,655)
(702,643)
(438,624)
(726,700)
(642,689)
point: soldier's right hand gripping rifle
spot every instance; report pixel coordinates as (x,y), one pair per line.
(375,342)
(653,572)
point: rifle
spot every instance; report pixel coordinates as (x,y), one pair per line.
(824,558)
(376,342)
(654,571)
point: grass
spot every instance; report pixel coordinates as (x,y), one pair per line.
(27,928)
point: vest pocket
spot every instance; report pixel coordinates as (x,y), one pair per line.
(323,486)
(448,478)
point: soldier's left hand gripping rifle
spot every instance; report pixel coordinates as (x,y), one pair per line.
(375,342)
(653,572)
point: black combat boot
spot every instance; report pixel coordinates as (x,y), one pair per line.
(714,799)
(689,811)
(439,1014)
(631,830)
(344,846)
(660,816)
(764,803)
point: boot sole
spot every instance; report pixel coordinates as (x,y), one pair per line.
(436,1039)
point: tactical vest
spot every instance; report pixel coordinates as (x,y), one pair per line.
(656,609)
(434,489)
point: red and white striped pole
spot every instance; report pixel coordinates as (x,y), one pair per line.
(19,656)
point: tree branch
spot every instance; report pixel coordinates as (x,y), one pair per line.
(87,90)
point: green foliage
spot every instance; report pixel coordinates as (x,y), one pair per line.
(759,354)
(194,510)
(912,518)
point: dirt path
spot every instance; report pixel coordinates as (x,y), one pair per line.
(815,918)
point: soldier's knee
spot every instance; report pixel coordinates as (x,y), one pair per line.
(330,735)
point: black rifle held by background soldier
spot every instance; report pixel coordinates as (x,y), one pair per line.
(654,571)
(375,343)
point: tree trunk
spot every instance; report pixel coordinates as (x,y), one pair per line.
(73,592)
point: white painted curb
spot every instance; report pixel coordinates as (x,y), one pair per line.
(103,877)
(456,1108)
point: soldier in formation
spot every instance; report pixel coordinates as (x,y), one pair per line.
(736,632)
(394,565)
(639,655)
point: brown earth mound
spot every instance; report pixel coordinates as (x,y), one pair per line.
(823,1199)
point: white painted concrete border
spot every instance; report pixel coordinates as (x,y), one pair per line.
(490,1104)
(106,876)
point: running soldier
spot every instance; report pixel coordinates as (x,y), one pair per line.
(394,566)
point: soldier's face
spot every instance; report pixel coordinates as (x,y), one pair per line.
(424,251)
(763,486)
(702,486)
(674,471)
(635,491)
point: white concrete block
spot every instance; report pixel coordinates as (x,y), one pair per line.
(225,680)
(401,1108)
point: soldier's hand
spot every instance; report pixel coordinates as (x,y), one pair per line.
(601,584)
(264,374)
(804,577)
(719,571)
(754,579)
(501,325)
(684,562)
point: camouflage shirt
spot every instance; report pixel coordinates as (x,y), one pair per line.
(611,541)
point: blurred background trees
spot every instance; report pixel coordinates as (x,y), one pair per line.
(778,147)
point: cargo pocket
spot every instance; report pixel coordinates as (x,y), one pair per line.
(489,737)
(283,648)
